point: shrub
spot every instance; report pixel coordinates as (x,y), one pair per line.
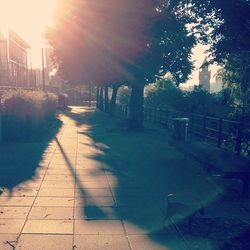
(62,100)
(26,112)
(123,96)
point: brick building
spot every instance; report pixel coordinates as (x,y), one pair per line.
(14,70)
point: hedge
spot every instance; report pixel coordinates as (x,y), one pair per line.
(26,112)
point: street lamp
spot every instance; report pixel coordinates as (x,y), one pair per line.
(43,69)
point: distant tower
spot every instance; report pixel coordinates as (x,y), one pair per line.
(204,76)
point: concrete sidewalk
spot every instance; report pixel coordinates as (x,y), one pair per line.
(80,198)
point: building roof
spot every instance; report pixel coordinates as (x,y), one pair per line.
(204,63)
(18,39)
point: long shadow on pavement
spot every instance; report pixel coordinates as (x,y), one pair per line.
(19,161)
(142,169)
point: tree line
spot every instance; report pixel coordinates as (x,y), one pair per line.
(134,43)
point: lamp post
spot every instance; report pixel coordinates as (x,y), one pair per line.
(90,97)
(43,70)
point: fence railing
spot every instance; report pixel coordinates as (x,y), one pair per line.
(224,133)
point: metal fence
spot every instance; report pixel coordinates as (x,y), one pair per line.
(228,134)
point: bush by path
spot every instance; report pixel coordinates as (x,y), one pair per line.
(26,113)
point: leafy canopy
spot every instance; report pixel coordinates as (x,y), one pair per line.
(105,41)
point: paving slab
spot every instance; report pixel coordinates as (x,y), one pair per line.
(51,213)
(14,212)
(44,242)
(58,184)
(53,202)
(101,242)
(16,201)
(159,242)
(59,178)
(48,227)
(143,226)
(20,192)
(93,184)
(89,171)
(97,227)
(64,166)
(7,241)
(11,225)
(92,178)
(59,172)
(56,192)
(30,184)
(94,201)
(96,213)
(93,192)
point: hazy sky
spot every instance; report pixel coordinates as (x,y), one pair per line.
(198,57)
(29,19)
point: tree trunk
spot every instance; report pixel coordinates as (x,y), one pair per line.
(101,99)
(136,108)
(106,99)
(97,96)
(113,99)
(90,95)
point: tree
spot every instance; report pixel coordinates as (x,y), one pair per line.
(132,41)
(165,94)
(200,101)
(235,87)
(224,26)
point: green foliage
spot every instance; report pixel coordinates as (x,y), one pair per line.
(63,100)
(164,94)
(224,25)
(199,101)
(25,112)
(123,96)
(236,89)
(121,40)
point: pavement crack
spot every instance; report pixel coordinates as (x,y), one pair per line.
(10,243)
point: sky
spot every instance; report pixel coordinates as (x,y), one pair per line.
(30,17)
(198,57)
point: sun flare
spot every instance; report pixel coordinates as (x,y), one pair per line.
(26,15)
(28,18)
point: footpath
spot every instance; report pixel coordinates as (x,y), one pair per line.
(95,185)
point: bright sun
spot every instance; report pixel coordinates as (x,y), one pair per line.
(28,18)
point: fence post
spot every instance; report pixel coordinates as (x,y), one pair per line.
(167,118)
(204,126)
(219,133)
(126,111)
(192,123)
(155,115)
(239,138)
(144,114)
(160,117)
(150,114)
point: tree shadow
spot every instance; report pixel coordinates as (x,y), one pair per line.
(89,207)
(141,169)
(21,161)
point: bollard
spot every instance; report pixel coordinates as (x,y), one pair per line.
(180,126)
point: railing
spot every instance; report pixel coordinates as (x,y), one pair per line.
(224,133)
